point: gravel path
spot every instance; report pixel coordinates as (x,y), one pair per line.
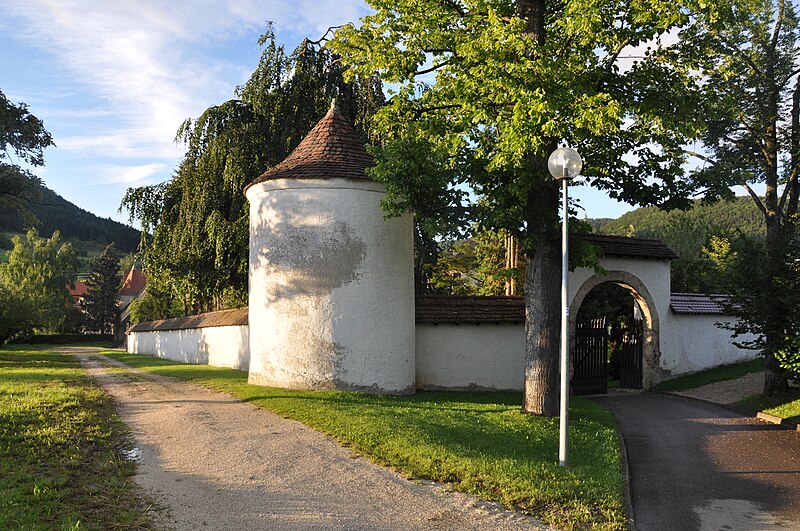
(728,391)
(219,463)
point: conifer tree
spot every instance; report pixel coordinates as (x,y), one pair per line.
(102,286)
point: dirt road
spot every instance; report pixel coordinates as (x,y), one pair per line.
(218,463)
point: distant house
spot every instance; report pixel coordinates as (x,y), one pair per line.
(132,288)
(78,293)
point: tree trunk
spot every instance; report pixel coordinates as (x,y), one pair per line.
(542,328)
(543,271)
(512,261)
(542,294)
(775,381)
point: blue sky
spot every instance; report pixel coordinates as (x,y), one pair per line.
(113,81)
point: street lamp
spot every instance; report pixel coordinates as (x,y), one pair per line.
(564,164)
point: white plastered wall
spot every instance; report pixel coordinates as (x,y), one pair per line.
(218,346)
(331,291)
(697,343)
(468,356)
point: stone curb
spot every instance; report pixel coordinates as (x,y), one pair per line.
(626,471)
(774,419)
(760,415)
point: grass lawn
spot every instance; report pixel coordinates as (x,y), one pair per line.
(718,374)
(786,406)
(477,442)
(60,443)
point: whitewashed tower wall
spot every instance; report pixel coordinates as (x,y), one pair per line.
(331,287)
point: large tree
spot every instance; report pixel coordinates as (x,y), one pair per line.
(34,284)
(741,59)
(24,135)
(195,226)
(485,90)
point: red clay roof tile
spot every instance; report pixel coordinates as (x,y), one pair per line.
(331,150)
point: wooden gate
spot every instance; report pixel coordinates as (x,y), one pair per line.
(630,373)
(590,358)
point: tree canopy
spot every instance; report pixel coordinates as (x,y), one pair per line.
(103,285)
(484,91)
(22,136)
(34,284)
(740,60)
(195,226)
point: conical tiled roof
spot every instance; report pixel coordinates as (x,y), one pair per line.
(331,150)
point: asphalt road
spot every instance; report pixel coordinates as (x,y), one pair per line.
(695,465)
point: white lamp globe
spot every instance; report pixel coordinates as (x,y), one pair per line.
(565,163)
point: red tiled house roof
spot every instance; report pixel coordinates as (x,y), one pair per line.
(235,317)
(435,309)
(79,290)
(134,283)
(332,149)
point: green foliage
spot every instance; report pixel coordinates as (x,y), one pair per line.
(103,285)
(740,61)
(688,233)
(195,239)
(503,94)
(34,293)
(60,444)
(476,442)
(483,93)
(755,305)
(610,302)
(723,218)
(24,135)
(126,263)
(155,304)
(474,267)
(784,405)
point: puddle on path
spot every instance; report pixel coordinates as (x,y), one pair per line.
(133,455)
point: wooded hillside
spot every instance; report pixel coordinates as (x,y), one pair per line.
(723,218)
(56,213)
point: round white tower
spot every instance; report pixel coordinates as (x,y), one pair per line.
(331,294)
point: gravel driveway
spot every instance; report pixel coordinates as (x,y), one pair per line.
(219,463)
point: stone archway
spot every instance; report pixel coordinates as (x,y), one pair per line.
(651,353)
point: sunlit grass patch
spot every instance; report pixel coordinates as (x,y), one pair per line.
(60,466)
(786,406)
(478,442)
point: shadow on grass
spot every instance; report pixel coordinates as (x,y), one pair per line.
(785,405)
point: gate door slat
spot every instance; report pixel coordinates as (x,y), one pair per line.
(590,358)
(631,362)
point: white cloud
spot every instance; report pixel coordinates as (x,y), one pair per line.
(119,77)
(150,60)
(131,176)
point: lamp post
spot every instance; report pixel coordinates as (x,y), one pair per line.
(564,164)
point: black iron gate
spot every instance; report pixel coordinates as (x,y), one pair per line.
(630,373)
(590,358)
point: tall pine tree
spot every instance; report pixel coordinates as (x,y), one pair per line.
(102,286)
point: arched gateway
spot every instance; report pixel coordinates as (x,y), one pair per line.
(642,267)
